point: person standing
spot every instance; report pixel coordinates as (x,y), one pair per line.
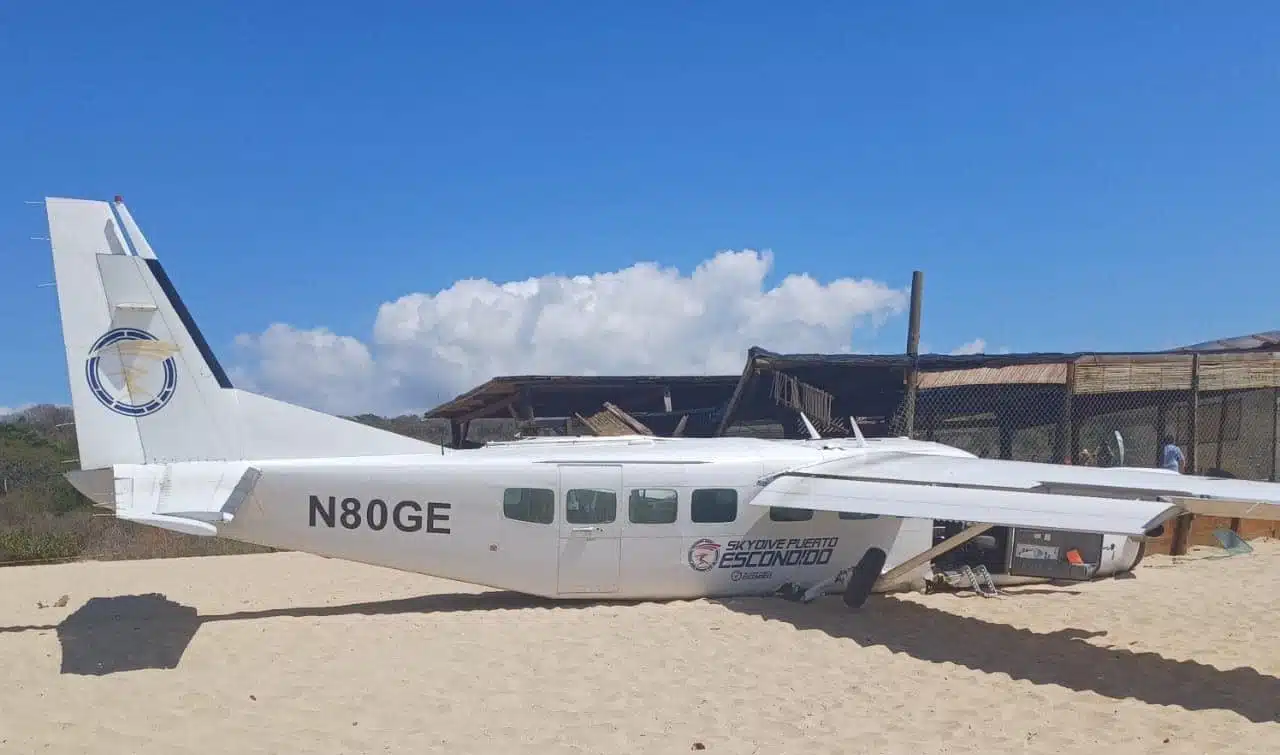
(1171,456)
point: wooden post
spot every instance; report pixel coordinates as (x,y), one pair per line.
(731,407)
(913,351)
(1182,525)
(1006,429)
(1275,435)
(1161,428)
(1192,456)
(1066,435)
(524,403)
(458,432)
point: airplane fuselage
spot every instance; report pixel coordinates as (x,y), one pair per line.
(581,518)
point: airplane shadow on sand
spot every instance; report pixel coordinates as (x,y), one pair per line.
(134,632)
(131,632)
(1062,657)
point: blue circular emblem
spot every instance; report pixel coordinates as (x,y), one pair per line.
(122,372)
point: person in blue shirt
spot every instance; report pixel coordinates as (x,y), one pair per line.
(1171,456)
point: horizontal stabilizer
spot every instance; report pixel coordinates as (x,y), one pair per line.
(174,524)
(998,507)
(189,497)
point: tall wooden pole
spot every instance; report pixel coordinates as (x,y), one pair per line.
(913,351)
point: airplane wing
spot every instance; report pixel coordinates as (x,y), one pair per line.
(1122,501)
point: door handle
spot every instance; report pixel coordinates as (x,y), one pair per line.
(586,529)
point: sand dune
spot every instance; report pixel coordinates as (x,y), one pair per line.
(288,653)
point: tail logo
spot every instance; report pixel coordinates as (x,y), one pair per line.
(132,372)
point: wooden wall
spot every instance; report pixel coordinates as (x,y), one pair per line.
(1202,528)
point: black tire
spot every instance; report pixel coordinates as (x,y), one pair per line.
(864,577)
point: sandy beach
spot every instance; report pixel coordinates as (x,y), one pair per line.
(290,653)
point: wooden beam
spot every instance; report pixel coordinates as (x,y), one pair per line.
(626,419)
(488,409)
(732,406)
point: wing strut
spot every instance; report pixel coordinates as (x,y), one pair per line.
(860,584)
(808,426)
(857,432)
(955,541)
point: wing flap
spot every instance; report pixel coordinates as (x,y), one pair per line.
(998,474)
(998,507)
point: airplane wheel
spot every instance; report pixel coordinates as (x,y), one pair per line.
(864,577)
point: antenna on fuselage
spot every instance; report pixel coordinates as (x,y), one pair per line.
(857,432)
(813,431)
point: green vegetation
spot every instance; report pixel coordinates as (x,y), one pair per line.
(43,518)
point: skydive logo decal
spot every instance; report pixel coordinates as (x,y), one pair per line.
(703,554)
(762,554)
(122,372)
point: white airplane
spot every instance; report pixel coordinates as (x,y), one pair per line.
(166,440)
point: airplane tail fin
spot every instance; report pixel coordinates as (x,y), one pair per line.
(145,386)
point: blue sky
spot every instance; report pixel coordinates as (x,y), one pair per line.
(1069,176)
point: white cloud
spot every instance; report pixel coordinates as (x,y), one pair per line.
(311,367)
(642,319)
(976,346)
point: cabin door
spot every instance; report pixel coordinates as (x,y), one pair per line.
(590,549)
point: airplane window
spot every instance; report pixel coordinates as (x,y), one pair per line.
(529,505)
(857,515)
(652,506)
(715,505)
(590,506)
(781,514)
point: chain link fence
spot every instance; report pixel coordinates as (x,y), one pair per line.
(1222,412)
(1099,420)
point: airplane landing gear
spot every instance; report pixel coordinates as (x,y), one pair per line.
(861,579)
(864,576)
